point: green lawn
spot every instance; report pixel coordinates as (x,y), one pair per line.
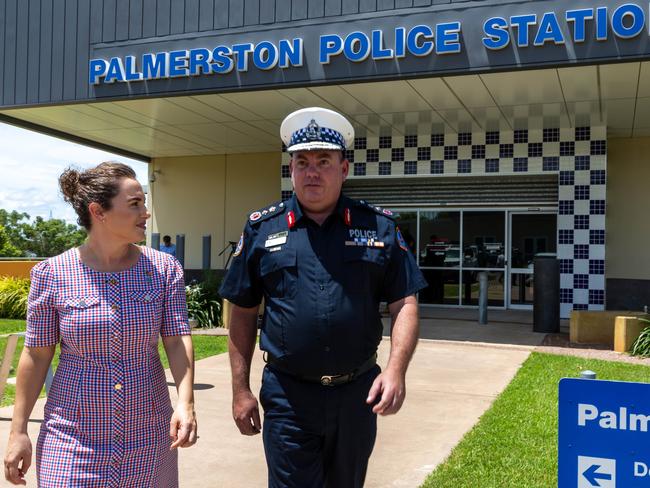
(515,442)
(204,346)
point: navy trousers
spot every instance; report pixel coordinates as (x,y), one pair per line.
(317,436)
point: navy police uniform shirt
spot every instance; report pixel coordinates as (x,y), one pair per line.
(321,284)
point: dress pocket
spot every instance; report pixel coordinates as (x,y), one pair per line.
(78,315)
(146,306)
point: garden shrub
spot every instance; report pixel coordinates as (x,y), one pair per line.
(13,297)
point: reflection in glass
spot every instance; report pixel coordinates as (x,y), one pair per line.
(532,234)
(443,287)
(408,225)
(483,239)
(521,288)
(439,239)
(496,288)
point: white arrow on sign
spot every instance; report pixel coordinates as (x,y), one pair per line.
(596,472)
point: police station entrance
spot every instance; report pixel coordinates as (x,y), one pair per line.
(453,245)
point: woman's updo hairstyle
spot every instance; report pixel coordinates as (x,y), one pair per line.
(99,184)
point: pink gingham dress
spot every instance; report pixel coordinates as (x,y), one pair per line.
(107,414)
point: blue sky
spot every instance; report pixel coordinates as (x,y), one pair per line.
(30,165)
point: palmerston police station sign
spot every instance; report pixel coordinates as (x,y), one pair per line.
(421,41)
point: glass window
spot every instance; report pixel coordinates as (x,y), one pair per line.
(439,239)
(532,234)
(443,287)
(521,288)
(483,239)
(496,290)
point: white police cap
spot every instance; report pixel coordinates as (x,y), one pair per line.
(314,128)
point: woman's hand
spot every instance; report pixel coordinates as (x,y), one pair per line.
(182,427)
(18,458)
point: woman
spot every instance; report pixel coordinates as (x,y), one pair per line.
(108,417)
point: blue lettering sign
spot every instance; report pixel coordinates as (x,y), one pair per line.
(178,63)
(549,30)
(601,23)
(579,19)
(630,12)
(413,39)
(356,47)
(523,22)
(241,51)
(115,71)
(96,70)
(448,38)
(330,45)
(290,53)
(400,42)
(378,51)
(199,61)
(626,21)
(154,66)
(265,55)
(222,60)
(497,34)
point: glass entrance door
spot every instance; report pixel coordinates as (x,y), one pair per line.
(530,234)
(484,249)
(453,246)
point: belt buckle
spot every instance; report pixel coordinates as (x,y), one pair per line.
(327,379)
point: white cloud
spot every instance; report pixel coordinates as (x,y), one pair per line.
(30,165)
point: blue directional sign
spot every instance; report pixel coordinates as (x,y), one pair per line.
(604,434)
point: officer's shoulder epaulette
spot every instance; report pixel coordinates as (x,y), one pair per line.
(266,213)
(381,211)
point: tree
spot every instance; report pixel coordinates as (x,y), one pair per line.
(51,237)
(38,238)
(7,250)
(15,225)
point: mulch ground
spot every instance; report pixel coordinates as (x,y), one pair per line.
(560,344)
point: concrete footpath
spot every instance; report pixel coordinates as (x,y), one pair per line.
(449,386)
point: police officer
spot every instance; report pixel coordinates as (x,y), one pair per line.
(322,262)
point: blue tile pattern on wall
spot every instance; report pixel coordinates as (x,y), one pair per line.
(551,163)
(520,165)
(465,139)
(492,137)
(437,167)
(491,165)
(582,163)
(464,166)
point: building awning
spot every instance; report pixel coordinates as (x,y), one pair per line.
(612,95)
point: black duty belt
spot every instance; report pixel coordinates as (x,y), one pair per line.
(325,380)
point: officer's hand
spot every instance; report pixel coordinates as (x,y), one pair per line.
(246,412)
(390,388)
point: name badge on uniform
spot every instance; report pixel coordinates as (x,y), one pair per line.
(278,239)
(363,237)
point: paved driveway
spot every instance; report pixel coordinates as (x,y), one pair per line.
(449,386)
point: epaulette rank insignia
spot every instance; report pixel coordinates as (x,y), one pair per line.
(379,210)
(265,213)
